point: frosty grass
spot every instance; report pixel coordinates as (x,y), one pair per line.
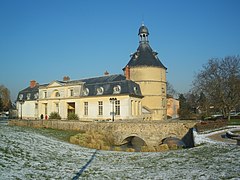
(27,154)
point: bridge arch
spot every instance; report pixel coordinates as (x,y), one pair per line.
(167,136)
(134,141)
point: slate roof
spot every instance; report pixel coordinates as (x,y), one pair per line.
(109,82)
(145,56)
(92,84)
(28,93)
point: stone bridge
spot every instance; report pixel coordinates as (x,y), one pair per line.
(151,132)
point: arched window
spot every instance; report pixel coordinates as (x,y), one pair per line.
(57,94)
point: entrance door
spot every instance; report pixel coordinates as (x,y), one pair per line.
(71,107)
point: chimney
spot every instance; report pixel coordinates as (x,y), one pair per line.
(127,72)
(66,78)
(33,83)
(106,73)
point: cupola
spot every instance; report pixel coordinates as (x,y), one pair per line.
(143,34)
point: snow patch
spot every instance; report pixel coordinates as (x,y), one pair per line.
(25,154)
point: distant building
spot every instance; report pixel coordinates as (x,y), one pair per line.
(27,101)
(138,94)
(172,108)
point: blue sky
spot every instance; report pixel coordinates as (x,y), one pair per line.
(45,40)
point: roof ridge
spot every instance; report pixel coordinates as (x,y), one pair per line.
(101,76)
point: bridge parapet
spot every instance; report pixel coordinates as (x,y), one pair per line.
(152,133)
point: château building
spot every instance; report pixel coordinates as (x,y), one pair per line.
(139,94)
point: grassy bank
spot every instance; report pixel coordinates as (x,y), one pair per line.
(234,122)
(63,135)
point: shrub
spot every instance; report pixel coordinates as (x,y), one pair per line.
(162,147)
(116,148)
(148,149)
(130,150)
(73,116)
(54,115)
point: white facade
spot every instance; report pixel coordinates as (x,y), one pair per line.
(27,109)
(66,98)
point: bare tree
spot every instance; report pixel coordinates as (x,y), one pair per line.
(5,98)
(170,90)
(219,81)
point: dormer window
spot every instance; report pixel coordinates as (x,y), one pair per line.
(35,95)
(116,89)
(86,92)
(135,90)
(28,96)
(135,56)
(100,91)
(20,97)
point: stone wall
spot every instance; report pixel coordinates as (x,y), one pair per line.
(151,132)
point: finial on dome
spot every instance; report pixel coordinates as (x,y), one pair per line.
(143,20)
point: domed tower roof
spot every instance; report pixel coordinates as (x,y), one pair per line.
(144,56)
(143,30)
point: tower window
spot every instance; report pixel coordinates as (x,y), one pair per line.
(100,108)
(163,90)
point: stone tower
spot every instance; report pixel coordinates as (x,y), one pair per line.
(146,69)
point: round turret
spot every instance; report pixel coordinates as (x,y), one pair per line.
(146,69)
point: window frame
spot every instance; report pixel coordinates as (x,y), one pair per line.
(85,105)
(100,108)
(117,108)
